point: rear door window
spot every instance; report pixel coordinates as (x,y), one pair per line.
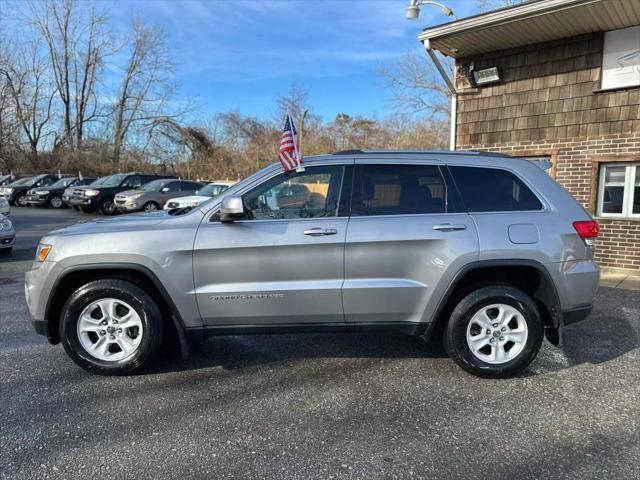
(493,190)
(399,190)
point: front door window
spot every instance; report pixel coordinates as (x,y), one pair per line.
(316,192)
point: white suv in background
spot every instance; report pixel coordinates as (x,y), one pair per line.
(205,193)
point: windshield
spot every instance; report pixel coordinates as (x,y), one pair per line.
(22,181)
(63,183)
(33,180)
(156,185)
(114,180)
(212,190)
(100,181)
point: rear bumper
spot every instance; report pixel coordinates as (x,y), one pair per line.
(576,315)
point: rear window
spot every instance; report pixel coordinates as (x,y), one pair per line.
(493,190)
(399,190)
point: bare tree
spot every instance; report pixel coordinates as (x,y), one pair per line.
(77,41)
(145,85)
(26,82)
(416,86)
(488,5)
(9,128)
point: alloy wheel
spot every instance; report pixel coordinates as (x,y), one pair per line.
(497,333)
(110,329)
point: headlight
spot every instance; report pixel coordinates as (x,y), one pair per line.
(193,204)
(42,252)
(6,224)
(91,193)
(43,192)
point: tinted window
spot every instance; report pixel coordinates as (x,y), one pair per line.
(493,190)
(398,190)
(133,181)
(316,192)
(190,186)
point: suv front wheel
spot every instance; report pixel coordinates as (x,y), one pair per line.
(111,327)
(494,332)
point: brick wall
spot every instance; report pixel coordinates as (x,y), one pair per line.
(549,104)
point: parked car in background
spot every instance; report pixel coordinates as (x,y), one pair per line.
(51,196)
(7,179)
(16,192)
(66,195)
(7,235)
(205,193)
(101,197)
(485,248)
(5,208)
(6,191)
(153,195)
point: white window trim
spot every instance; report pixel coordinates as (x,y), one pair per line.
(628,194)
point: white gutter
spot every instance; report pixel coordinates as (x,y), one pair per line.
(452,88)
(501,16)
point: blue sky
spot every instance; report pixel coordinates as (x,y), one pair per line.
(243,54)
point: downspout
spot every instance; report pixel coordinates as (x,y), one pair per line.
(452,88)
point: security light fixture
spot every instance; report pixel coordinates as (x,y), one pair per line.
(486,76)
(413,10)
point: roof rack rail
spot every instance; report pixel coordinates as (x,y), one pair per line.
(347,152)
(485,153)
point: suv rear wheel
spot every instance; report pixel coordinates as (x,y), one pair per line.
(494,332)
(111,327)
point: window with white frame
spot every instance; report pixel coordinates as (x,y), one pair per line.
(619,190)
(621,58)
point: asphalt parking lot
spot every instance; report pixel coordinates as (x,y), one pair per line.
(317,406)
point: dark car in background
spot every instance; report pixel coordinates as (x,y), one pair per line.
(153,195)
(16,192)
(101,197)
(7,179)
(68,192)
(51,196)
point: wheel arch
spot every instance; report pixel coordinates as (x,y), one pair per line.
(529,276)
(74,277)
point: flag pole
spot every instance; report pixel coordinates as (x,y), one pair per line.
(298,145)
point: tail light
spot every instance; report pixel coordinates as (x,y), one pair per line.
(587,228)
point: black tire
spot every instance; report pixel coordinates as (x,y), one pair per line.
(107,206)
(55,202)
(455,338)
(150,207)
(19,200)
(128,292)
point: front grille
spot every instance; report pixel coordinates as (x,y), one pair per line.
(120,201)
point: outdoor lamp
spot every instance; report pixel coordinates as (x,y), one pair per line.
(413,10)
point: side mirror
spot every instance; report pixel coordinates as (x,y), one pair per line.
(231,209)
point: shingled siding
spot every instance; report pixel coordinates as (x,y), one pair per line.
(549,104)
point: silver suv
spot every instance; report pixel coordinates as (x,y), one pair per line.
(486,250)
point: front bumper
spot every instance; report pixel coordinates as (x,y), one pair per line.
(38,284)
(82,201)
(127,205)
(7,240)
(35,200)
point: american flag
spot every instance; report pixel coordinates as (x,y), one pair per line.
(289,152)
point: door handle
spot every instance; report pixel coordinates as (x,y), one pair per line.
(319,231)
(448,227)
